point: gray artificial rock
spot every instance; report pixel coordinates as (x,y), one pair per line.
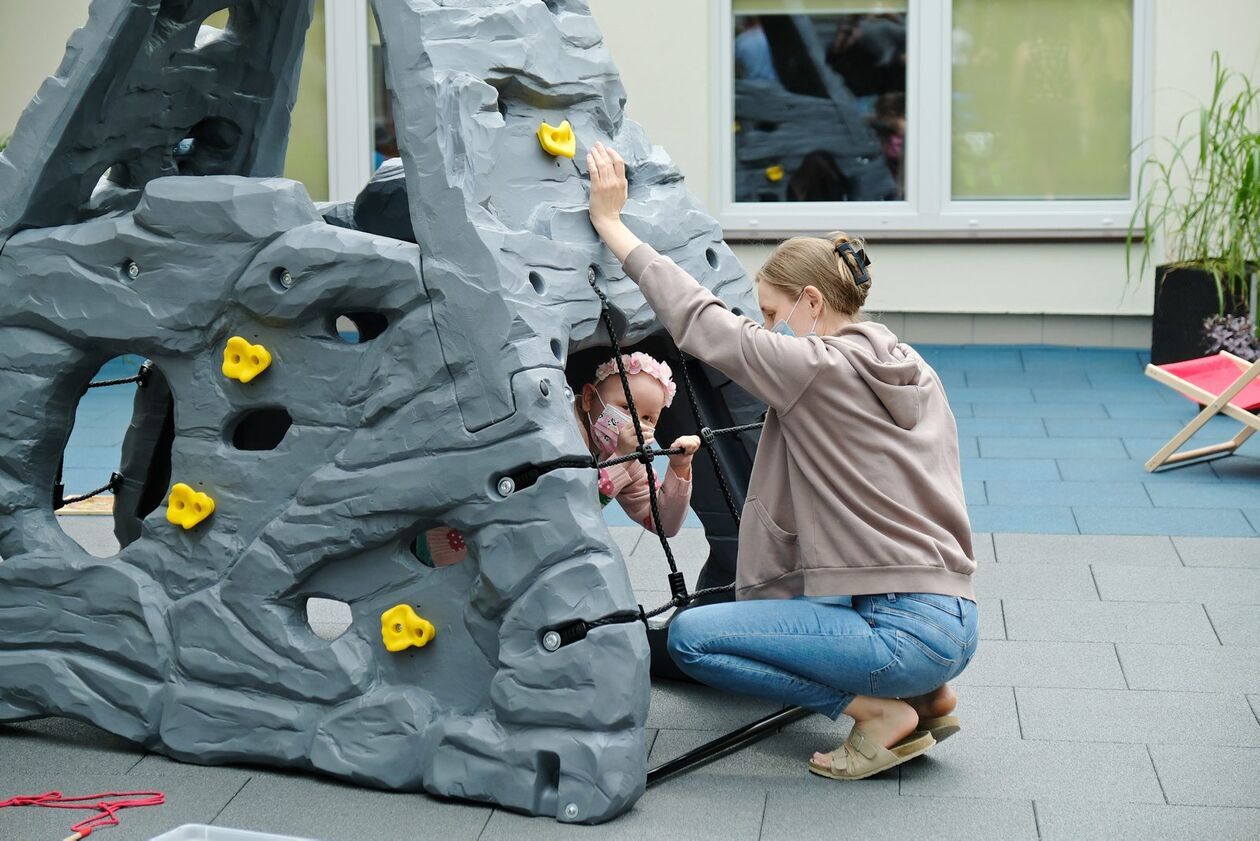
(326,467)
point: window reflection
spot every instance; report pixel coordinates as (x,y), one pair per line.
(820,107)
(1042,99)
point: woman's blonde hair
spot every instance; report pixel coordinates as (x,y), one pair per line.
(819,262)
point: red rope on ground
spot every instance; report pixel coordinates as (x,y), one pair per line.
(108,809)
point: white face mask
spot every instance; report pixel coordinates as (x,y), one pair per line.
(784,329)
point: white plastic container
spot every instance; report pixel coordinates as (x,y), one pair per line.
(201,832)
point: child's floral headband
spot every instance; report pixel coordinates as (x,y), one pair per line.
(641,363)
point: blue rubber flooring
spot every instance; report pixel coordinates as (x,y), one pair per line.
(1052,439)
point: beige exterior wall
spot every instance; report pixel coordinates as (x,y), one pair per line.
(32,41)
(663,49)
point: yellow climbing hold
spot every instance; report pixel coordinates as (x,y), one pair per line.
(775,173)
(243,361)
(402,627)
(187,507)
(558,140)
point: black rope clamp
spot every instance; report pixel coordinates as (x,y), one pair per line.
(707,437)
(678,589)
(557,638)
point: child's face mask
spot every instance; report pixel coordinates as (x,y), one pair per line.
(783,328)
(606,429)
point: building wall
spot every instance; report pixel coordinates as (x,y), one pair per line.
(1069,292)
(663,49)
(32,42)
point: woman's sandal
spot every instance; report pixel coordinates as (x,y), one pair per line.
(941,727)
(864,758)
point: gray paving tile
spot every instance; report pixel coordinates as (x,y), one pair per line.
(1168,521)
(94,533)
(1026,581)
(1191,668)
(706,809)
(1065,820)
(1185,584)
(781,757)
(988,712)
(1011,769)
(1218,777)
(1136,550)
(1141,717)
(1235,624)
(793,815)
(310,807)
(992,623)
(155,765)
(1075,665)
(1219,551)
(188,800)
(64,743)
(1107,622)
(690,706)
(648,569)
(627,537)
(982,546)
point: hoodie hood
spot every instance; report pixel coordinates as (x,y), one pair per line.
(893,371)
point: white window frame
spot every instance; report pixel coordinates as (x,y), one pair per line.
(348,85)
(929,211)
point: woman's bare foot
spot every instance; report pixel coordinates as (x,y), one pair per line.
(885,720)
(934,704)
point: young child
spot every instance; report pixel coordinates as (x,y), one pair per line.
(608,431)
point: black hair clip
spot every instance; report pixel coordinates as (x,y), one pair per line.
(860,261)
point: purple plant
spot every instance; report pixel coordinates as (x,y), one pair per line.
(1233,333)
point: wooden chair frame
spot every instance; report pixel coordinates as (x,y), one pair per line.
(1213,405)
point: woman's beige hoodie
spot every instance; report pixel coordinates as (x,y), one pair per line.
(857,487)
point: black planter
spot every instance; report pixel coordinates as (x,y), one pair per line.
(1184,299)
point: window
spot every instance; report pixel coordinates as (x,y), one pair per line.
(930,118)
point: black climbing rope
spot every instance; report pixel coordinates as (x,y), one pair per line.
(115,479)
(140,378)
(556,638)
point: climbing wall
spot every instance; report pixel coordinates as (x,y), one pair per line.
(140,213)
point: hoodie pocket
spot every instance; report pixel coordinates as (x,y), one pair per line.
(776,532)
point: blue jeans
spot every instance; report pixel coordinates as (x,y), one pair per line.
(819,653)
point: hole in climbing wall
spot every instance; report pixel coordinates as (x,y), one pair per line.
(94,451)
(712,257)
(441,546)
(536,281)
(210,147)
(328,618)
(260,429)
(355,328)
(557,349)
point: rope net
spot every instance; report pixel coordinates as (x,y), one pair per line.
(679,597)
